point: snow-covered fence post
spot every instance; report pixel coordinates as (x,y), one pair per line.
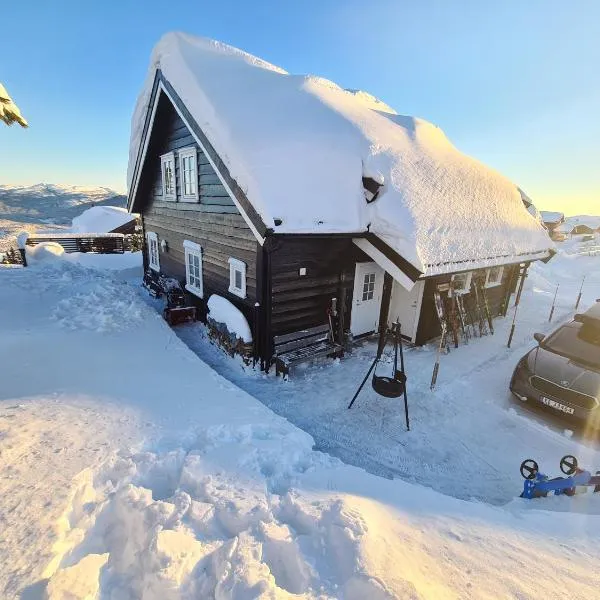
(580,292)
(553,304)
(21,243)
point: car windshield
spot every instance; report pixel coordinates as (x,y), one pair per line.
(582,344)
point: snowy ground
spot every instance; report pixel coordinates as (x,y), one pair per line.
(131,469)
(469,429)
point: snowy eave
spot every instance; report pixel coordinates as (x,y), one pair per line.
(298,147)
(485,263)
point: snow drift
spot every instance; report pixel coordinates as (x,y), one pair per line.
(300,145)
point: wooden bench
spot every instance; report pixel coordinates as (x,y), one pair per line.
(301,346)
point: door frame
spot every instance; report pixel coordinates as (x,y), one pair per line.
(356,302)
(420,285)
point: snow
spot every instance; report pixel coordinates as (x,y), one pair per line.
(315,140)
(44,251)
(223,311)
(46,207)
(592,221)
(100,219)
(129,468)
(9,111)
(552,216)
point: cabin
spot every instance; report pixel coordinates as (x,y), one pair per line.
(552,219)
(580,225)
(267,189)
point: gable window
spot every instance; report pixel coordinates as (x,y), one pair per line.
(152,245)
(237,277)
(193,268)
(189,174)
(167,169)
(493,276)
(461,283)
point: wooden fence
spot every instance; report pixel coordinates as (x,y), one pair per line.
(100,243)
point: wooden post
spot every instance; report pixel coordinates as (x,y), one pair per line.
(255,334)
(24,257)
(342,296)
(384,310)
(386,297)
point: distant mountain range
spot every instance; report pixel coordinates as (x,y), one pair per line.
(48,206)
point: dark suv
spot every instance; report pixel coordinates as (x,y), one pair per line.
(563,371)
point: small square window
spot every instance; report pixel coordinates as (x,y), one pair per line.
(493,276)
(188,174)
(167,169)
(152,248)
(461,283)
(193,268)
(237,277)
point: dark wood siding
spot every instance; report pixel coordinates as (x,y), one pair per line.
(429,327)
(302,301)
(170,134)
(214,222)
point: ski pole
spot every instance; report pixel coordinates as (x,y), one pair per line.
(553,304)
(512,327)
(579,296)
(436,367)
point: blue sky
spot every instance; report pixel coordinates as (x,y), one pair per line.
(515,84)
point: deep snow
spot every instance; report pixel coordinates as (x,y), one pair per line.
(315,140)
(100,219)
(130,469)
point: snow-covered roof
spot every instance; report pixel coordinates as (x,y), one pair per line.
(100,219)
(299,145)
(552,216)
(591,221)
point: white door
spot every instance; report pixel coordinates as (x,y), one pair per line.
(366,300)
(406,308)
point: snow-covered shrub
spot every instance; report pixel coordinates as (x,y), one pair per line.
(228,327)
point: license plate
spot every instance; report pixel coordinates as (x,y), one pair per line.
(557,406)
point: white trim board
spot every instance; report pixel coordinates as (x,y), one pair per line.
(259,238)
(161,89)
(384,262)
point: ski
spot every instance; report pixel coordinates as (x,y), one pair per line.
(486,308)
(480,313)
(462,317)
(441,313)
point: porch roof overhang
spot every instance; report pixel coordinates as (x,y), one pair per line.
(389,260)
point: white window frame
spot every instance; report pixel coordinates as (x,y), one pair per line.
(467,286)
(193,249)
(237,265)
(488,283)
(164,159)
(184,153)
(152,238)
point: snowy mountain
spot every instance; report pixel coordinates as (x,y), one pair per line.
(48,206)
